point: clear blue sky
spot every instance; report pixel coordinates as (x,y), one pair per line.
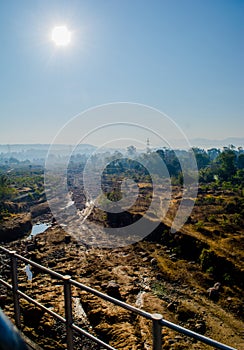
(184,57)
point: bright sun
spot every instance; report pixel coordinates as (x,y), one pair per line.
(61,35)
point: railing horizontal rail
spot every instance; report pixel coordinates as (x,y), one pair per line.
(33,263)
(33,301)
(195,335)
(156,319)
(112,300)
(92,337)
(59,317)
(42,268)
(6,284)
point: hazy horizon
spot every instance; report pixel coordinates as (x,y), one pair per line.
(201,143)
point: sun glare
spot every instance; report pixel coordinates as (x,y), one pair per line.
(61,35)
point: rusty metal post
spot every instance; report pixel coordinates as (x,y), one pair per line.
(14,274)
(157,331)
(68,311)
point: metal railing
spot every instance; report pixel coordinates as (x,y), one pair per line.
(157,319)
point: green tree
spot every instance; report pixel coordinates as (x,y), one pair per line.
(227,164)
(6,192)
(202,158)
(240,161)
(131,150)
(206,175)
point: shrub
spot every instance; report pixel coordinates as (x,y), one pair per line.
(199,225)
(206,260)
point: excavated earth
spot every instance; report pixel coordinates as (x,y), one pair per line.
(164,273)
(147,274)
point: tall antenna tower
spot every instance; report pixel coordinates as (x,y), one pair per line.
(148,146)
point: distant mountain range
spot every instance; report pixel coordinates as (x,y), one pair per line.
(206,143)
(40,151)
(6,148)
(30,151)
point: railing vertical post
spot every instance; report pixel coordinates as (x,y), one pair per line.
(68,311)
(14,274)
(157,331)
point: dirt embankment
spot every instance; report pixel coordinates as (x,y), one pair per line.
(14,227)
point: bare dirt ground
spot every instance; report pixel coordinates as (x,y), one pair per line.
(166,273)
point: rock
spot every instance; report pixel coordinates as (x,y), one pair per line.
(184,314)
(32,315)
(67,239)
(3,298)
(143,253)
(145,259)
(154,262)
(112,289)
(51,263)
(30,246)
(178,337)
(173,257)
(200,327)
(172,306)
(213,292)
